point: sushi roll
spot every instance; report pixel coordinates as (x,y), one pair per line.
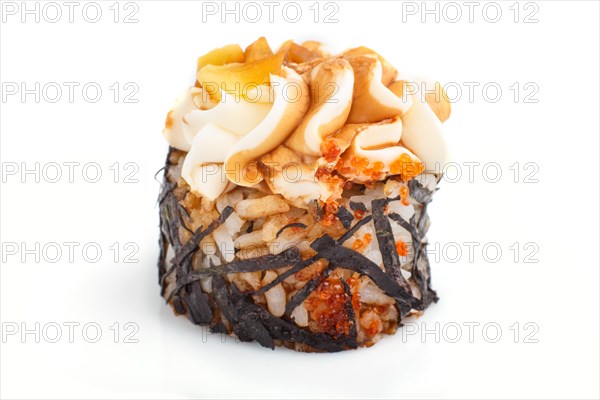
(293,208)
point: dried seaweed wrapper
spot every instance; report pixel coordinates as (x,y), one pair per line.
(323,271)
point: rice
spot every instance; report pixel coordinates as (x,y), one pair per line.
(261,207)
(343,298)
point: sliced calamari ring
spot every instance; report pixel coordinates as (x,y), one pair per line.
(298,54)
(203,166)
(389,73)
(422,132)
(236,78)
(331,89)
(317,47)
(437,98)
(258,50)
(376,152)
(174,129)
(373,101)
(224,55)
(235,115)
(291,100)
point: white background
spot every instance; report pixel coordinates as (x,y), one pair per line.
(558,214)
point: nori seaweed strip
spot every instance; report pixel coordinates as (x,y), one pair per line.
(355,205)
(167,190)
(163,245)
(178,305)
(283,330)
(183,262)
(182,219)
(228,309)
(428,295)
(306,290)
(198,305)
(419,192)
(200,234)
(222,298)
(159,171)
(343,257)
(170,215)
(345,217)
(296,268)
(350,310)
(166,274)
(294,224)
(219,327)
(414,233)
(167,187)
(182,270)
(182,208)
(406,225)
(250,329)
(286,331)
(422,220)
(251,322)
(262,263)
(387,243)
(353,230)
(162,239)
(171,218)
(416,242)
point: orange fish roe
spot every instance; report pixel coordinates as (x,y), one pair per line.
(404,195)
(406,167)
(404,191)
(374,327)
(401,248)
(327,307)
(353,283)
(331,209)
(322,173)
(359,214)
(378,166)
(330,150)
(335,183)
(328,219)
(359,163)
(345,170)
(361,166)
(357,244)
(363,163)
(360,244)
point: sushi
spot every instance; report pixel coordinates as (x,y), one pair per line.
(293,207)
